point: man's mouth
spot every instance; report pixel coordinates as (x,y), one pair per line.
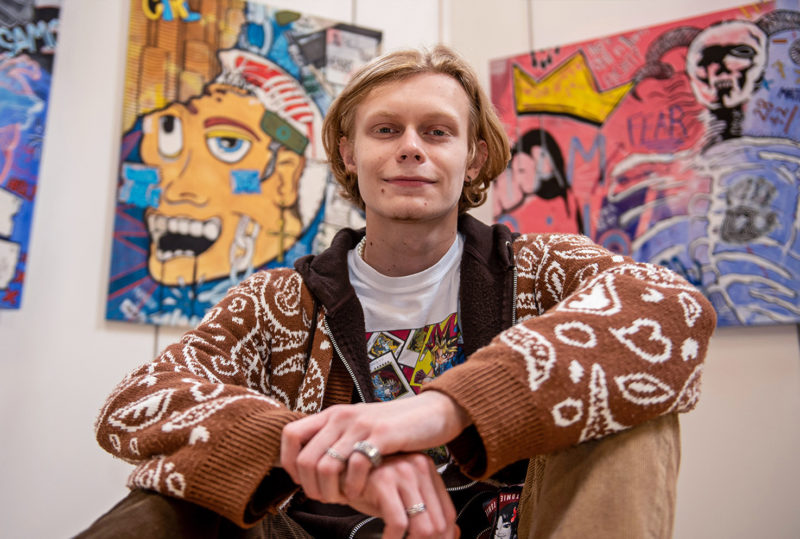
(410,181)
(181,236)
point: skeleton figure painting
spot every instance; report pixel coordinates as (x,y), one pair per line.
(680,145)
(28,35)
(222,169)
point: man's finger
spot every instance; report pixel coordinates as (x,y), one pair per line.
(358,470)
(392,511)
(294,436)
(427,501)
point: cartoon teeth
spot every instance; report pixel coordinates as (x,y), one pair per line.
(181,236)
(724,84)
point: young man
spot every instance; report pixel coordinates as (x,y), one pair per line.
(508,350)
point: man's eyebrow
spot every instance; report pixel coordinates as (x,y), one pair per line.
(382,115)
(433,116)
(220,120)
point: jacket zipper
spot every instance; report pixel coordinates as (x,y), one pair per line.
(461,487)
(359,526)
(341,357)
(514,290)
(514,300)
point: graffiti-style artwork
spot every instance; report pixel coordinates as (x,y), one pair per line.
(222,168)
(677,144)
(28,35)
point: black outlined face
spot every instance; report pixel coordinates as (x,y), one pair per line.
(725,63)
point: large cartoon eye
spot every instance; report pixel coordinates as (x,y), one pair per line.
(227,147)
(743,51)
(170,135)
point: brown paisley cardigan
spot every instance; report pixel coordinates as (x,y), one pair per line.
(565,341)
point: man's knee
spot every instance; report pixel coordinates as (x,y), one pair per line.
(622,485)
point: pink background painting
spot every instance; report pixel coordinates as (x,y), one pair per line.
(677,144)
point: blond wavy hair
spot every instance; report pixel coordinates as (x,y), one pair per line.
(399,65)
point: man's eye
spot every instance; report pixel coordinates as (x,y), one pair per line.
(170,135)
(438,132)
(384,130)
(228,149)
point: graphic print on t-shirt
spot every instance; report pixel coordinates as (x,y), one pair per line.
(401,360)
(502,512)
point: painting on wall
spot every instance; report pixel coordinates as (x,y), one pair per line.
(28,35)
(222,168)
(677,144)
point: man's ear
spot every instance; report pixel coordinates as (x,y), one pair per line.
(347,152)
(481,153)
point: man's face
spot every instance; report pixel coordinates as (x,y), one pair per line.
(725,63)
(217,213)
(409,148)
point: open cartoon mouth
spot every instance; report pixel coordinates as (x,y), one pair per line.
(723,86)
(181,236)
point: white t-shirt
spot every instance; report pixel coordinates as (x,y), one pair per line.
(413,331)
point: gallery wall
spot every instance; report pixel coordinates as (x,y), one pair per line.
(740,476)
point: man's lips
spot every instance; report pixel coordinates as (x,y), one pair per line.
(408,181)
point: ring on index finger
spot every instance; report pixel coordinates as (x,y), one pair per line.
(369,451)
(332,453)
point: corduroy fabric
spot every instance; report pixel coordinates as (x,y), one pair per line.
(621,487)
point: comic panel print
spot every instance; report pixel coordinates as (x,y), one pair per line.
(677,144)
(222,168)
(415,356)
(28,36)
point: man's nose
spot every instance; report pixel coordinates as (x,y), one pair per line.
(410,147)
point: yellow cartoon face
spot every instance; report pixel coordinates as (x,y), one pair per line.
(228,192)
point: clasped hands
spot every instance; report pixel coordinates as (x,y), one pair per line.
(404,489)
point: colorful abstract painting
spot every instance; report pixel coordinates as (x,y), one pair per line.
(222,169)
(28,35)
(677,144)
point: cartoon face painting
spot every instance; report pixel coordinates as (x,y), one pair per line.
(222,170)
(227,192)
(725,63)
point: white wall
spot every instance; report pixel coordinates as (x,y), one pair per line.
(59,357)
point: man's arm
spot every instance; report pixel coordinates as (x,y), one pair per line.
(203,420)
(604,344)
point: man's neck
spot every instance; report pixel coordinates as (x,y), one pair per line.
(405,248)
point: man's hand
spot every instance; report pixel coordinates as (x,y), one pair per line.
(403,481)
(401,426)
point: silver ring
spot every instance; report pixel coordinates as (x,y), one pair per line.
(369,451)
(331,452)
(416,508)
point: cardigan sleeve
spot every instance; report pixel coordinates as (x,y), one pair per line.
(602,344)
(203,421)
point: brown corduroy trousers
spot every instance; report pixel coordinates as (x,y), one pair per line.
(622,486)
